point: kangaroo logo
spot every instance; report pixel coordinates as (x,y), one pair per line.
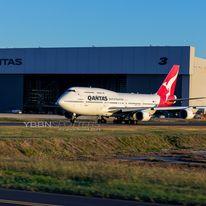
(167,89)
(168,85)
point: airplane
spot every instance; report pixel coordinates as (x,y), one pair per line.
(125,107)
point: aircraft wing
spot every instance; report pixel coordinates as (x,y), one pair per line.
(136,109)
(144,114)
(126,109)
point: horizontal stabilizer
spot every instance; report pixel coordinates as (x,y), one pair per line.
(185,99)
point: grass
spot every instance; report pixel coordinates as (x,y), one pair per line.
(114,179)
(62,143)
(82,161)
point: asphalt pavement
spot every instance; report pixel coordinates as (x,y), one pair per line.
(26,198)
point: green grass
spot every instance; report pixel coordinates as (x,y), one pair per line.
(81,161)
(62,143)
(108,179)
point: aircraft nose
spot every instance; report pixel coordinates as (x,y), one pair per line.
(59,101)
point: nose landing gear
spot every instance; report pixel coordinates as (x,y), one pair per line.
(73,119)
(71,116)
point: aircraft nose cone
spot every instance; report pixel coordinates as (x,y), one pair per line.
(59,102)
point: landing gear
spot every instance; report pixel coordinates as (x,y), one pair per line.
(118,121)
(130,122)
(71,116)
(73,119)
(125,121)
(101,120)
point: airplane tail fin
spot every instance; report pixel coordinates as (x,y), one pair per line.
(167,89)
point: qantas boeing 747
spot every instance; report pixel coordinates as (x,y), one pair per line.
(125,107)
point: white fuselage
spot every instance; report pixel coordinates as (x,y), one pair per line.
(96,101)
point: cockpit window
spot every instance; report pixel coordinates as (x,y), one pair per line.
(71,90)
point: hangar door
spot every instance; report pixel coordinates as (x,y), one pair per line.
(42,91)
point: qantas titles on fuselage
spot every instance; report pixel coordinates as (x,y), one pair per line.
(125,106)
(102,98)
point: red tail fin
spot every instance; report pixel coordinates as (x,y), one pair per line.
(167,89)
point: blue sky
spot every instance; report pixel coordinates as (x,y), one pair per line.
(57,23)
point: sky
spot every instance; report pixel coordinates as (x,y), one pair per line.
(82,23)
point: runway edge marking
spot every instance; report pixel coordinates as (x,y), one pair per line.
(16,202)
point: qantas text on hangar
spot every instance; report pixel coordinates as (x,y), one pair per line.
(10,61)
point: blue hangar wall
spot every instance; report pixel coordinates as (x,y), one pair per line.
(24,71)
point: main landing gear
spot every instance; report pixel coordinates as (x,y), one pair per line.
(118,121)
(130,122)
(124,121)
(101,120)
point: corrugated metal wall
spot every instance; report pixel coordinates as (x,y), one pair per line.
(96,60)
(11,92)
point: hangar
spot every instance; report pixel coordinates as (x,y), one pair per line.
(31,79)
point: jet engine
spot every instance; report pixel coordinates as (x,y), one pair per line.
(142,116)
(188,113)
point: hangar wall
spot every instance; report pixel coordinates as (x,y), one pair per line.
(147,83)
(94,60)
(185,82)
(11,92)
(197,79)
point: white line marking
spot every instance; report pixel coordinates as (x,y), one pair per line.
(15,202)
